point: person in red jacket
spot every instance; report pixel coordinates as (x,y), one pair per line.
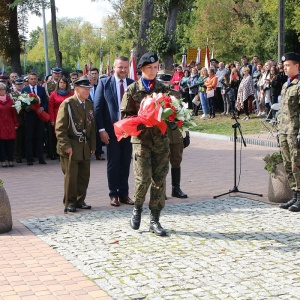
(8,126)
(175,81)
(61,92)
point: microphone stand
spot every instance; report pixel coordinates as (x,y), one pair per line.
(235,189)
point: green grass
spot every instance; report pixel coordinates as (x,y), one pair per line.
(223,125)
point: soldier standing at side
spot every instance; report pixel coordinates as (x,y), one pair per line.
(289,127)
(76,141)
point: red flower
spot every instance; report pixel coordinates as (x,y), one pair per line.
(172,117)
(179,123)
(32,95)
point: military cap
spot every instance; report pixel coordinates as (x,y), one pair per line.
(25,78)
(82,81)
(18,81)
(3,78)
(147,59)
(290,56)
(56,70)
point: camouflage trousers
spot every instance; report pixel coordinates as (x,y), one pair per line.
(291,159)
(151,166)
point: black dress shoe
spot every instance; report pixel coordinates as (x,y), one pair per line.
(19,160)
(42,162)
(30,163)
(84,206)
(71,208)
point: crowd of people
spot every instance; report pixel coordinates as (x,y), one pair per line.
(83,109)
(241,86)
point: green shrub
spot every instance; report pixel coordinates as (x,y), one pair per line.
(272,160)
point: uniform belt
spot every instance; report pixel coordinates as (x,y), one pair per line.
(80,139)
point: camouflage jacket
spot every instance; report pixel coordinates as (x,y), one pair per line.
(130,106)
(288,117)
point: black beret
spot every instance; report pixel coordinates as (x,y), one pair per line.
(147,59)
(56,70)
(19,81)
(82,81)
(291,56)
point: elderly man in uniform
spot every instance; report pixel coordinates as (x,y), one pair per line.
(75,132)
(289,127)
(150,149)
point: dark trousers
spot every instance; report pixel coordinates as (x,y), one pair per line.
(20,142)
(76,180)
(218,106)
(118,166)
(35,129)
(7,150)
(51,140)
(211,106)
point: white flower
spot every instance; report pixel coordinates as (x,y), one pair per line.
(18,106)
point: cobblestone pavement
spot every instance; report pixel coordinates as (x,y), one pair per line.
(234,248)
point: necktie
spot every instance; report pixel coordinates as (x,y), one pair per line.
(33,90)
(121,90)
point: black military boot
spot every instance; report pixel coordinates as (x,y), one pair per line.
(296,206)
(176,191)
(155,226)
(291,202)
(135,220)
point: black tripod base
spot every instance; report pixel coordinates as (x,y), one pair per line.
(236,190)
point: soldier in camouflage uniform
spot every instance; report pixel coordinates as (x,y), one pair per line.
(150,148)
(289,127)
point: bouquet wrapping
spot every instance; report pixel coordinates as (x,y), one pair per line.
(155,110)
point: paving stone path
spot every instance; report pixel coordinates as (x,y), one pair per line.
(234,248)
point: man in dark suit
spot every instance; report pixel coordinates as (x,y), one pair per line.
(34,127)
(107,103)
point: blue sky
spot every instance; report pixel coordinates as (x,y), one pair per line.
(87,10)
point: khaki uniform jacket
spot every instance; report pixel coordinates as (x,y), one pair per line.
(130,106)
(289,114)
(83,119)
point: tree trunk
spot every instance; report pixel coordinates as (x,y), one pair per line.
(146,18)
(58,56)
(170,28)
(14,49)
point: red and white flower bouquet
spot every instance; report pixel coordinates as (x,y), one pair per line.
(156,110)
(28,102)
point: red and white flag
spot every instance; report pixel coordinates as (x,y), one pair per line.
(132,72)
(108,66)
(183,62)
(207,58)
(198,58)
